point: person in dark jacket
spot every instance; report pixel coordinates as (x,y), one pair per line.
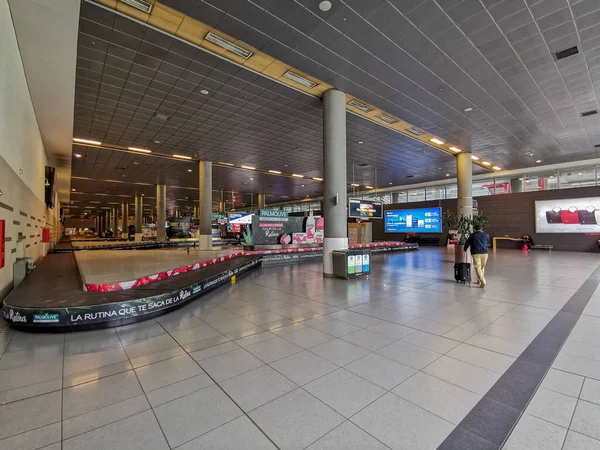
(478,242)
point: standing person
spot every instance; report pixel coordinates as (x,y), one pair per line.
(478,242)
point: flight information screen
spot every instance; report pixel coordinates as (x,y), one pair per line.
(364,209)
(422,220)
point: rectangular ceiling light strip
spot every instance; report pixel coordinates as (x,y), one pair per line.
(299,79)
(415,131)
(227,45)
(139,4)
(386,118)
(359,105)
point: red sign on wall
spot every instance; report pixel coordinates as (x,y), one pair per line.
(45,235)
(2,240)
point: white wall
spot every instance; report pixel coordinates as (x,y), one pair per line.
(22,161)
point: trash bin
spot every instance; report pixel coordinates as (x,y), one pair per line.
(351,263)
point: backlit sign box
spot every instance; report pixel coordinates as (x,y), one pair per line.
(364,209)
(422,220)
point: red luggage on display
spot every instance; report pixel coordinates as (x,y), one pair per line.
(569,216)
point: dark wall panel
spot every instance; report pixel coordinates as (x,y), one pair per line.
(512,215)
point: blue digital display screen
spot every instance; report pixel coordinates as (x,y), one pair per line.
(423,220)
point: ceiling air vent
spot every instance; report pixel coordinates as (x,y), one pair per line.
(597,146)
(386,118)
(415,131)
(589,113)
(299,79)
(227,45)
(566,53)
(139,4)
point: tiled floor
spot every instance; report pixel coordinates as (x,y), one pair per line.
(286,359)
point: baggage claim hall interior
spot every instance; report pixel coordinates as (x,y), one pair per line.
(300,224)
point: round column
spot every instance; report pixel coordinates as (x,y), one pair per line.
(161,212)
(139,215)
(205,208)
(464,175)
(334,174)
(261,201)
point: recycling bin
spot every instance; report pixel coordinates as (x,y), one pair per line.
(351,263)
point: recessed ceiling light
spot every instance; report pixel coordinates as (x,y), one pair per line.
(302,185)
(579,173)
(77,155)
(225,164)
(141,150)
(475,158)
(468,109)
(317,179)
(539,161)
(497,168)
(355,185)
(325,6)
(181,157)
(251,179)
(360,105)
(390,184)
(87,141)
(360,142)
(227,45)
(297,175)
(276,172)
(437,141)
(447,174)
(73,189)
(249,167)
(157,142)
(486,163)
(386,118)
(299,79)
(455,149)
(204,92)
(189,170)
(368,187)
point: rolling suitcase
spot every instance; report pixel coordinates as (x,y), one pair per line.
(462,272)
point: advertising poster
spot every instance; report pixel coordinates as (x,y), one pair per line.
(364,209)
(179,227)
(276,227)
(423,220)
(578,215)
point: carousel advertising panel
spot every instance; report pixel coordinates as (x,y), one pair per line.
(276,227)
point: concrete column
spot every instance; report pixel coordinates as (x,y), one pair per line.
(125,218)
(195,212)
(395,197)
(161,212)
(261,201)
(115,222)
(334,174)
(517,184)
(222,202)
(464,175)
(139,214)
(205,208)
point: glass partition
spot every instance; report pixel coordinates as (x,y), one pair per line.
(416,195)
(435,193)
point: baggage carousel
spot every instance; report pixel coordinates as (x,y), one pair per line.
(51,297)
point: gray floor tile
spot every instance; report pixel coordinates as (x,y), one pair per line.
(497,344)
(25,415)
(214,350)
(32,390)
(34,439)
(255,339)
(308,337)
(257,387)
(238,434)
(205,343)
(380,370)
(348,437)
(273,349)
(88,397)
(188,335)
(392,329)
(140,331)
(90,361)
(563,382)
(167,372)
(591,391)
(303,367)
(444,399)
(465,375)
(430,326)
(104,416)
(96,374)
(150,345)
(339,352)
(496,362)
(139,432)
(369,339)
(577,365)
(230,364)
(193,415)
(28,375)
(409,354)
(577,441)
(296,420)
(360,320)
(401,425)
(336,328)
(157,357)
(344,391)
(430,341)
(532,433)
(586,419)
(179,389)
(28,357)
(552,407)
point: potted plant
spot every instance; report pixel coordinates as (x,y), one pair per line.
(464,225)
